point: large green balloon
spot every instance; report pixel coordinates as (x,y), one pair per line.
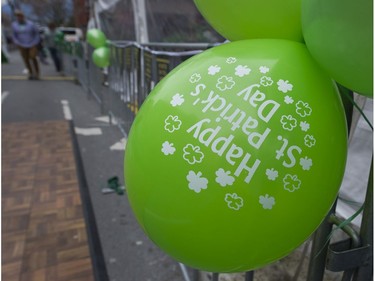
(237,155)
(249,19)
(96,38)
(339,35)
(100,57)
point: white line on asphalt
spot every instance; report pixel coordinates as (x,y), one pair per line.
(88,131)
(66,110)
(4,96)
(120,145)
(105,119)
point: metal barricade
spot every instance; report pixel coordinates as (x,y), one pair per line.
(157,64)
(82,65)
(134,71)
(68,58)
(123,84)
(95,80)
(77,62)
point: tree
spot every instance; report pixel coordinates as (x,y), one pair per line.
(58,11)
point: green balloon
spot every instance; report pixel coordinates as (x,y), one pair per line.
(100,57)
(339,35)
(96,38)
(249,19)
(237,155)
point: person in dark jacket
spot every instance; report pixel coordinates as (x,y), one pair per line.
(50,40)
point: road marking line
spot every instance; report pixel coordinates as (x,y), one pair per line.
(88,131)
(66,110)
(63,78)
(4,96)
(120,145)
(20,77)
(105,119)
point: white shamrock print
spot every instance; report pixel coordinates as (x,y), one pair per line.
(196,181)
(266,201)
(272,174)
(172,123)
(309,140)
(303,109)
(263,69)
(167,148)
(223,177)
(231,60)
(242,70)
(193,154)
(289,123)
(304,126)
(195,78)
(225,83)
(291,183)
(177,99)
(305,163)
(234,201)
(284,86)
(288,100)
(266,81)
(213,69)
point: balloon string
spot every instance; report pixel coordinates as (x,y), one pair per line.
(351,218)
(340,226)
(359,109)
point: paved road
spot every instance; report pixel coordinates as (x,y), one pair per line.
(128,253)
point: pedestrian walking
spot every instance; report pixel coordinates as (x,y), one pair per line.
(26,37)
(50,41)
(41,46)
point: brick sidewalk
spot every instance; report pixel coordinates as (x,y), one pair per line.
(43,229)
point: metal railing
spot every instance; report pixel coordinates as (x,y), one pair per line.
(120,90)
(134,70)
